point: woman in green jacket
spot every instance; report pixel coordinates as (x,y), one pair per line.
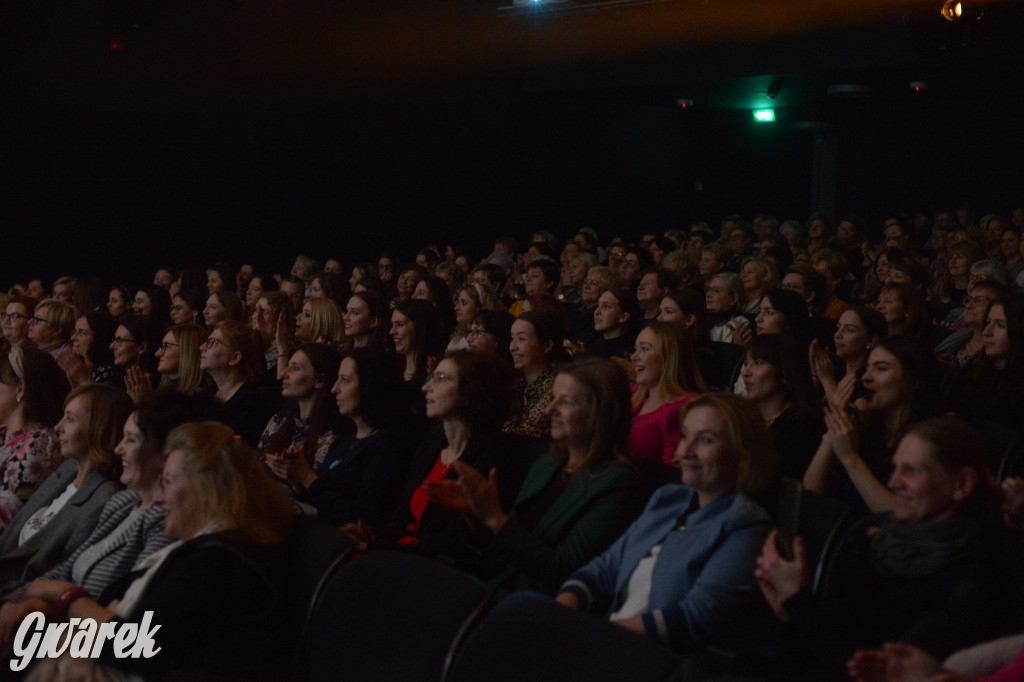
(576,499)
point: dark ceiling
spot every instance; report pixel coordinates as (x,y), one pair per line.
(309,123)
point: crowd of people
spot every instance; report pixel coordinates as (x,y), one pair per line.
(611,424)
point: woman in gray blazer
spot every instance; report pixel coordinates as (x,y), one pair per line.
(131,526)
(64,510)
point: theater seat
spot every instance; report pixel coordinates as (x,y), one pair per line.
(530,637)
(389,616)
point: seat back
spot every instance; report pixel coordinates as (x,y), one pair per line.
(389,615)
(531,637)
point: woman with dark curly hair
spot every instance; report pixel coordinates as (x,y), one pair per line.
(467,398)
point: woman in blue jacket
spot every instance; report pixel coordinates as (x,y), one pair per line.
(683,572)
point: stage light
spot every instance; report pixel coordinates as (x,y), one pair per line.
(764,115)
(952,10)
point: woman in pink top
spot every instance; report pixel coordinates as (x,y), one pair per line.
(666,379)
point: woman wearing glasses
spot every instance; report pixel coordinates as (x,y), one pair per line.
(233,358)
(491,332)
(14,320)
(187,307)
(51,326)
(178,358)
(91,358)
(467,398)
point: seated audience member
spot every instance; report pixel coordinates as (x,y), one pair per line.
(576,499)
(535,346)
(222,305)
(419,339)
(16,316)
(581,317)
(154,301)
(187,307)
(32,391)
(63,511)
(855,456)
(922,573)
(965,345)
(296,441)
(666,379)
(51,327)
(365,467)
(178,358)
(272,317)
(683,572)
(860,329)
(131,525)
(214,591)
(468,397)
(119,302)
(491,332)
(233,359)
(758,278)
(367,322)
(617,320)
(724,299)
(776,377)
(470,299)
(91,358)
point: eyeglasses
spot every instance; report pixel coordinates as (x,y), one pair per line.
(120,340)
(476,331)
(38,320)
(165,346)
(212,343)
(438,378)
(14,317)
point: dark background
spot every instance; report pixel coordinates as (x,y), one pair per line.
(135,134)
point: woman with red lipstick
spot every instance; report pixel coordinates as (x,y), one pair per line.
(855,456)
(296,441)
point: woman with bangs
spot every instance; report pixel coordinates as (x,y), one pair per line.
(758,277)
(666,379)
(854,459)
(63,511)
(683,571)
(491,332)
(777,378)
(51,327)
(469,300)
(319,321)
(536,346)
(16,316)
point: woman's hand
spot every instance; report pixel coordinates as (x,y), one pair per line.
(568,600)
(634,624)
(283,338)
(291,466)
(361,533)
(137,383)
(575,350)
(897,663)
(1013,502)
(780,579)
(626,363)
(844,391)
(742,334)
(843,435)
(12,613)
(48,590)
(473,493)
(821,363)
(77,367)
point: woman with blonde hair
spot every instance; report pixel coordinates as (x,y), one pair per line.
(697,583)
(52,325)
(63,511)
(666,379)
(178,357)
(212,590)
(469,300)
